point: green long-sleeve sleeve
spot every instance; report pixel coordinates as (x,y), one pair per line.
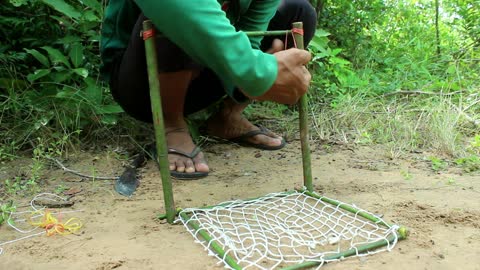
(257,18)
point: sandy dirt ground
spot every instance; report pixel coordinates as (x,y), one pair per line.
(441,210)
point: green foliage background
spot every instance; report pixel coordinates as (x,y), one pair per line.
(390,45)
(49,82)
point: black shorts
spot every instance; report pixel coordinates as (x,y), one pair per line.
(129,79)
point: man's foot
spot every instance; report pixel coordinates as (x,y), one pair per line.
(231,125)
(186,161)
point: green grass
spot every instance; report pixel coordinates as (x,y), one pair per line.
(430,123)
(5,210)
(403,125)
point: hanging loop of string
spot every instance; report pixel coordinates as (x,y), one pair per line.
(294,31)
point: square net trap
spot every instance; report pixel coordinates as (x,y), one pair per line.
(290,230)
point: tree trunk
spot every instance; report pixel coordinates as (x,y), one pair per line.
(437,30)
(318,5)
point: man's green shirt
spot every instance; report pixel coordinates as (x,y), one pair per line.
(205,32)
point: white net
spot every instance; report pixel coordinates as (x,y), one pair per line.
(280,230)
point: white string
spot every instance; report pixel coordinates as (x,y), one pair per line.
(279,230)
(46,196)
(19,239)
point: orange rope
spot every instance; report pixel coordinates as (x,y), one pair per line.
(298,31)
(148,34)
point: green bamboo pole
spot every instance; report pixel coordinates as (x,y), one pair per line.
(402,231)
(164,215)
(156,103)
(349,208)
(213,244)
(258,33)
(267,33)
(347,253)
(303,111)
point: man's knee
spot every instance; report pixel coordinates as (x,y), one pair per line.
(299,8)
(303,11)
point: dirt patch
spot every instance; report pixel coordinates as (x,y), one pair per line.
(427,213)
(123,233)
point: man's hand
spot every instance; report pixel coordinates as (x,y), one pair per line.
(293,77)
(277,45)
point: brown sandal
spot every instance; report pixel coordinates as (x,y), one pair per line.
(186,175)
(243,139)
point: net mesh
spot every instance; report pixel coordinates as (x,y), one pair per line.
(280,230)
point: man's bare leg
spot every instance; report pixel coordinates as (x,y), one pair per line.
(229,123)
(174,87)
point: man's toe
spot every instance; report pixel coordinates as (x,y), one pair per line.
(275,141)
(180,165)
(189,167)
(267,140)
(201,167)
(200,163)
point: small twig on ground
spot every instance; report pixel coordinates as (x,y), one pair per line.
(474,121)
(81,174)
(471,105)
(54,204)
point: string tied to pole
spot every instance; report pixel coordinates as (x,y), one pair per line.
(298,31)
(146,34)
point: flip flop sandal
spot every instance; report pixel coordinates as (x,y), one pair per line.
(152,153)
(243,139)
(185,175)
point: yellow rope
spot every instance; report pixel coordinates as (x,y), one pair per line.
(52,225)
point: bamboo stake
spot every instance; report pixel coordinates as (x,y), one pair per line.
(267,33)
(303,111)
(258,33)
(213,244)
(349,209)
(156,103)
(402,231)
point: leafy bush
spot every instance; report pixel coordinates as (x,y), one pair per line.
(334,79)
(49,80)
